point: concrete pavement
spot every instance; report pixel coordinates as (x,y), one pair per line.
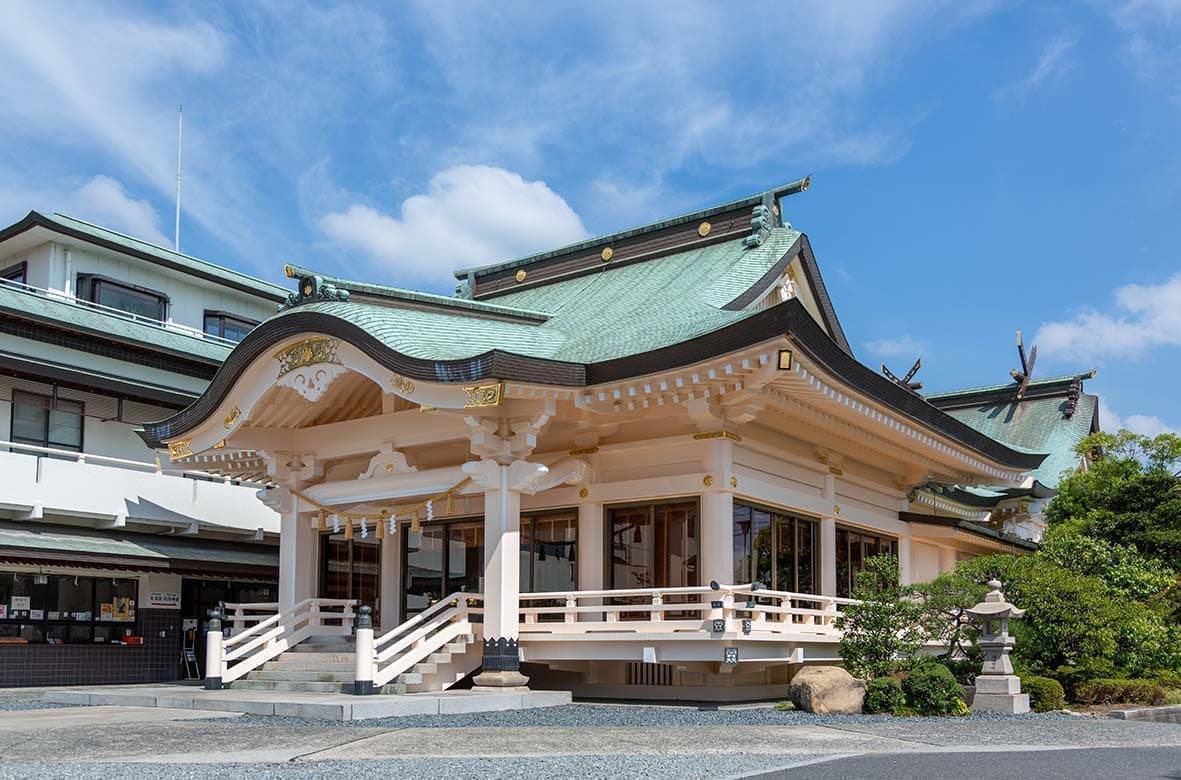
(584,740)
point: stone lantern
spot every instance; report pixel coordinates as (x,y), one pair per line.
(997,688)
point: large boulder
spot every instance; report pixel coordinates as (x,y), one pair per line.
(827,690)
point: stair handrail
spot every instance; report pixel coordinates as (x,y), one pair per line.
(439,606)
(423,635)
(270,638)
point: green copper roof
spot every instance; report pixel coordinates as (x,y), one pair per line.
(1036,425)
(25,304)
(155,549)
(617,312)
(101,236)
(947,398)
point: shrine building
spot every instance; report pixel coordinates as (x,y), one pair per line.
(647,464)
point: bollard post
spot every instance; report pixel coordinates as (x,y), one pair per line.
(365,660)
(213,651)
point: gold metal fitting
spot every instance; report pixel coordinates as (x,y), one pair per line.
(521,275)
(607,253)
(703,229)
(708,481)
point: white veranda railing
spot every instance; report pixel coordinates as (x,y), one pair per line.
(761,613)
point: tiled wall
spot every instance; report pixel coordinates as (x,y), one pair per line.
(157,661)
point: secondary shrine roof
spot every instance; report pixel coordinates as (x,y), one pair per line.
(1053,417)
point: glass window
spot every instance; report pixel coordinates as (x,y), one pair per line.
(548,558)
(133,300)
(778,550)
(227,326)
(38,420)
(15,273)
(853,548)
(62,609)
(653,546)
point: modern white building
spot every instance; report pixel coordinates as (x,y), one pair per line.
(103,544)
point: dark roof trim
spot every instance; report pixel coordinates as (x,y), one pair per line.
(748,202)
(789,318)
(35,219)
(90,380)
(1003,394)
(970,527)
(802,248)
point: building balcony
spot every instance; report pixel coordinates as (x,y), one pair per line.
(50,485)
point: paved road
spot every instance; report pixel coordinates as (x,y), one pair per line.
(1080,764)
(586,741)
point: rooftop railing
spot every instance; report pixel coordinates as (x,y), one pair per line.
(173,327)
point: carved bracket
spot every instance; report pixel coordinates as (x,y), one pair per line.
(522,475)
(388,461)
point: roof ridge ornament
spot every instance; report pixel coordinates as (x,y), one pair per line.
(1023,376)
(312,288)
(762,219)
(905,382)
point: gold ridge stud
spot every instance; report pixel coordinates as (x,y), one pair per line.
(521,275)
(703,229)
(607,253)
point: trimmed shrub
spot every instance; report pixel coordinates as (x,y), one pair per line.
(1149,692)
(884,695)
(1045,694)
(931,689)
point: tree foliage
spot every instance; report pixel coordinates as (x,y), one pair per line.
(1129,495)
(883,631)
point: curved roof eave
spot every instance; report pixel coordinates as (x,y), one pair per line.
(789,318)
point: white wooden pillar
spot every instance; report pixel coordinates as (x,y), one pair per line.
(502,567)
(905,561)
(828,541)
(299,553)
(591,544)
(716,537)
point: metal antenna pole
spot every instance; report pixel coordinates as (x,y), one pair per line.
(180,124)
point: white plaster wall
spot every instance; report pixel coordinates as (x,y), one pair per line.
(189,297)
(924,560)
(114,440)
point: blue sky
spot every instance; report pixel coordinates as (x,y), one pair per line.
(977,167)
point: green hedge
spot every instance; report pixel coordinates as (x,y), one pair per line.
(1149,692)
(1045,694)
(931,689)
(884,695)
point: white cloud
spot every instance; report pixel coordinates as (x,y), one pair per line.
(470,215)
(1054,62)
(904,346)
(103,201)
(1148,316)
(1145,425)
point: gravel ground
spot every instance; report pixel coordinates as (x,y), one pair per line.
(640,715)
(531,768)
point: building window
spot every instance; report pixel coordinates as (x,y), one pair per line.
(853,548)
(64,609)
(138,301)
(15,273)
(549,561)
(227,326)
(776,549)
(653,546)
(44,421)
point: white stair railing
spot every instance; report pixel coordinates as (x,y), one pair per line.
(274,635)
(242,614)
(399,650)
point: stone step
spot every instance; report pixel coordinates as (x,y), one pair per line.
(281,685)
(302,676)
(317,658)
(323,647)
(300,665)
(393,688)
